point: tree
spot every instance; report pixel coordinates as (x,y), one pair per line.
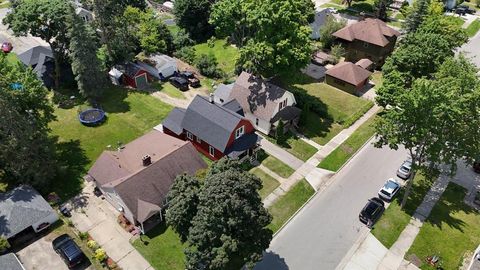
(280,42)
(380,7)
(224,218)
(208,66)
(337,53)
(27,153)
(231,19)
(181,39)
(193,15)
(416,15)
(437,120)
(86,67)
(46,19)
(331,26)
(183,202)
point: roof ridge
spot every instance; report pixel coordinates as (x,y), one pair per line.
(223,108)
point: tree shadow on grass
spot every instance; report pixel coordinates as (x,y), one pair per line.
(72,163)
(271,260)
(113,100)
(450,203)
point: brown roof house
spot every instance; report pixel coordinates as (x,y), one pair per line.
(137,177)
(370,38)
(263,103)
(348,76)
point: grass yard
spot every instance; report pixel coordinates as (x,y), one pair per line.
(168,89)
(285,206)
(320,130)
(130,114)
(347,149)
(269,183)
(473,28)
(394,220)
(278,166)
(451,231)
(162,248)
(296,146)
(377,78)
(226,55)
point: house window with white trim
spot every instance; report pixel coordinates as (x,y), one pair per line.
(239,132)
(211,151)
(189,136)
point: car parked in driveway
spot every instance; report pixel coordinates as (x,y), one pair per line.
(179,82)
(405,169)
(190,77)
(372,211)
(466,9)
(389,190)
(68,250)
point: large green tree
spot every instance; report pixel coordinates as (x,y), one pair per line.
(226,223)
(193,15)
(331,26)
(26,151)
(380,7)
(274,35)
(437,120)
(416,16)
(91,79)
(46,19)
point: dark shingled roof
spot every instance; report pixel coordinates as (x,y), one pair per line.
(174,120)
(211,122)
(10,262)
(20,208)
(242,144)
(349,72)
(143,189)
(370,30)
(31,56)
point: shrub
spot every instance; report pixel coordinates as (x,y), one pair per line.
(211,42)
(4,245)
(83,235)
(187,54)
(100,255)
(337,53)
(92,244)
(208,66)
(69,223)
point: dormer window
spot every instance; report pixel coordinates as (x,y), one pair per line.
(239,132)
(189,136)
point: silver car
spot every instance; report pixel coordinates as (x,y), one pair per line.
(405,170)
(388,191)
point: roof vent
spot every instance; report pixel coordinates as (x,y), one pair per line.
(146,160)
(211,98)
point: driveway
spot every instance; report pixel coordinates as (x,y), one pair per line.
(20,44)
(98,217)
(472,49)
(327,227)
(40,255)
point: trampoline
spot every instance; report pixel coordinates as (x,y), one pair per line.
(92,117)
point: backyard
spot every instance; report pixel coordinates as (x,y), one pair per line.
(451,232)
(394,220)
(226,55)
(130,115)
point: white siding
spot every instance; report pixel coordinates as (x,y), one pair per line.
(290,101)
(117,202)
(263,125)
(50,219)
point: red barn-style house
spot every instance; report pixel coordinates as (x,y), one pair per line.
(130,74)
(215,130)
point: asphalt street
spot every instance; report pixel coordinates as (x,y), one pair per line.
(324,231)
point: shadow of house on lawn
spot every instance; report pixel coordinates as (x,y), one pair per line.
(72,163)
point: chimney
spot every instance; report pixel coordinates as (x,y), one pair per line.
(211,98)
(146,160)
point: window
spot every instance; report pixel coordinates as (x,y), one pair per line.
(198,140)
(189,136)
(365,45)
(256,122)
(285,103)
(239,132)
(280,106)
(211,151)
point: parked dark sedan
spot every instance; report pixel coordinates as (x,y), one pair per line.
(190,77)
(68,250)
(466,9)
(372,211)
(179,82)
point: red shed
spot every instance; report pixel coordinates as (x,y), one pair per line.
(133,75)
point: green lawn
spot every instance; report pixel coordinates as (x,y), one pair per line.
(162,248)
(452,231)
(168,89)
(347,149)
(277,166)
(296,146)
(473,28)
(318,129)
(394,220)
(377,78)
(285,206)
(226,55)
(269,183)
(130,114)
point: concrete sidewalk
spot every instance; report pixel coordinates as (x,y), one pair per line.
(279,153)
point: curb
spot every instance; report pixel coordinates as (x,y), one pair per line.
(354,154)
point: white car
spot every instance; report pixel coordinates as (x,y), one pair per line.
(405,170)
(388,191)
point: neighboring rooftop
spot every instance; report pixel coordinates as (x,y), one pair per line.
(257,96)
(369,30)
(10,262)
(349,72)
(32,56)
(222,93)
(20,208)
(364,63)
